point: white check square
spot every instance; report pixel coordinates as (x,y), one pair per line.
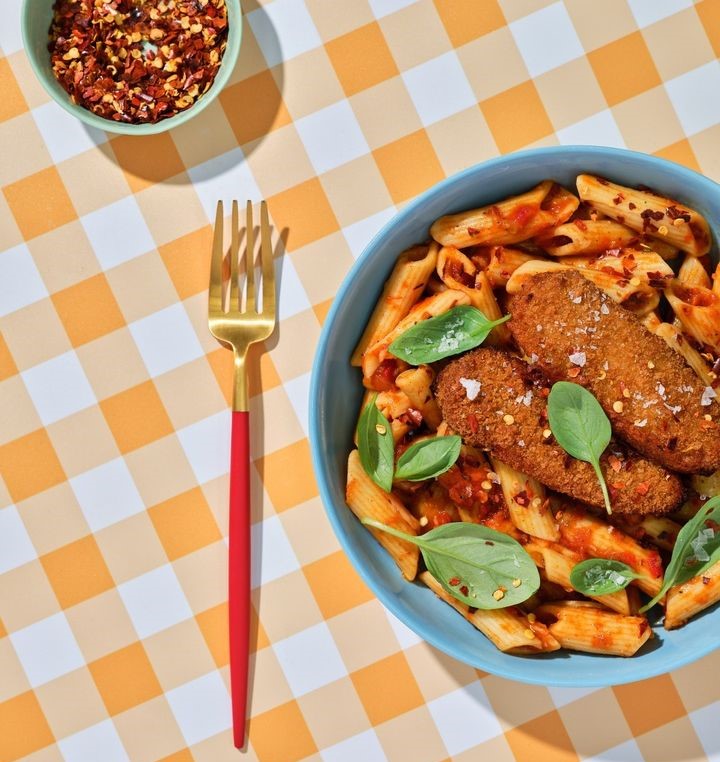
(155,601)
(64,135)
(689,94)
(166,339)
(58,387)
(439,88)
(627,752)
(291,295)
(207,446)
(364,747)
(225,177)
(276,557)
(98,742)
(283,29)
(107,494)
(298,392)
(385,7)
(546,39)
(359,234)
(647,12)
(47,649)
(332,136)
(10,36)
(16,547)
(118,232)
(599,129)
(465,718)
(20,281)
(310,659)
(201,707)
(705,722)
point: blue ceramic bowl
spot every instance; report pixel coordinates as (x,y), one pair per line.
(336,391)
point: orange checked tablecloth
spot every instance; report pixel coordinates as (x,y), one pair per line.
(114,421)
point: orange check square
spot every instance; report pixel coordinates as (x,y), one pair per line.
(187,260)
(542,738)
(7,364)
(709,12)
(681,153)
(643,717)
(387,688)
(39,203)
(267,112)
(464,21)
(30,465)
(136,416)
(408,165)
(148,159)
(125,678)
(624,68)
(305,210)
(516,117)
(23,727)
(88,310)
(184,523)
(77,571)
(12,102)
(288,476)
(336,585)
(183,755)
(281,734)
(361,58)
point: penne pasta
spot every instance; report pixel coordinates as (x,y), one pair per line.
(527,502)
(659,530)
(558,562)
(367,500)
(402,290)
(674,338)
(651,321)
(508,629)
(416,383)
(650,214)
(698,309)
(585,626)
(459,273)
(432,306)
(502,263)
(692,597)
(692,273)
(709,485)
(716,280)
(514,219)
(586,237)
(593,538)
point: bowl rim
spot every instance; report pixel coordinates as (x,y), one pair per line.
(227,66)
(514,671)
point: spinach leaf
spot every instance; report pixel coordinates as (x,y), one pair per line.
(601,576)
(477,565)
(428,458)
(455,331)
(580,426)
(696,549)
(376,445)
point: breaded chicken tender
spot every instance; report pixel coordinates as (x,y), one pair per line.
(654,401)
(496,401)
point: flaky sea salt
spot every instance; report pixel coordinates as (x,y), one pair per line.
(707,396)
(578,358)
(471,386)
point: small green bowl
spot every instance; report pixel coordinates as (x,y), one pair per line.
(36,18)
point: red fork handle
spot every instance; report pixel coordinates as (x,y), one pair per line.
(239,571)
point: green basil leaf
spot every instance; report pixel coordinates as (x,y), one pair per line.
(601,576)
(696,549)
(428,458)
(580,426)
(455,331)
(473,562)
(376,445)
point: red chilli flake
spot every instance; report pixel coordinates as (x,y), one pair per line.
(137,61)
(473,231)
(643,488)
(473,423)
(464,590)
(454,581)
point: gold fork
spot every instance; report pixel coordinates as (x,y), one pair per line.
(237,328)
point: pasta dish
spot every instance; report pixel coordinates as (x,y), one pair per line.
(539,439)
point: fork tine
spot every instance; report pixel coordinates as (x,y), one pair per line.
(215,296)
(250,258)
(268,266)
(234,259)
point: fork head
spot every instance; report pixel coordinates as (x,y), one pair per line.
(236,322)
